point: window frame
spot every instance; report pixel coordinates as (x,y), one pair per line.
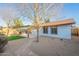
(45,30)
(54,30)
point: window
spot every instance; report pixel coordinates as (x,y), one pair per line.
(53,30)
(45,30)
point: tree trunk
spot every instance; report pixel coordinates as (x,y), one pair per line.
(8,27)
(7,32)
(28,35)
(37,35)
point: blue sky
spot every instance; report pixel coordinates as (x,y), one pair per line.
(70,10)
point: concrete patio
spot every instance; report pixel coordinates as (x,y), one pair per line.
(56,47)
(18,48)
(47,46)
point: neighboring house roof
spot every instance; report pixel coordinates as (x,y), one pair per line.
(59,23)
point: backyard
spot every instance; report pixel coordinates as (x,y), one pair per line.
(38,29)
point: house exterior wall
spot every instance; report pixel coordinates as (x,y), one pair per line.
(63,32)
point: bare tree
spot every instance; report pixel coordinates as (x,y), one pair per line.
(39,13)
(8,15)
